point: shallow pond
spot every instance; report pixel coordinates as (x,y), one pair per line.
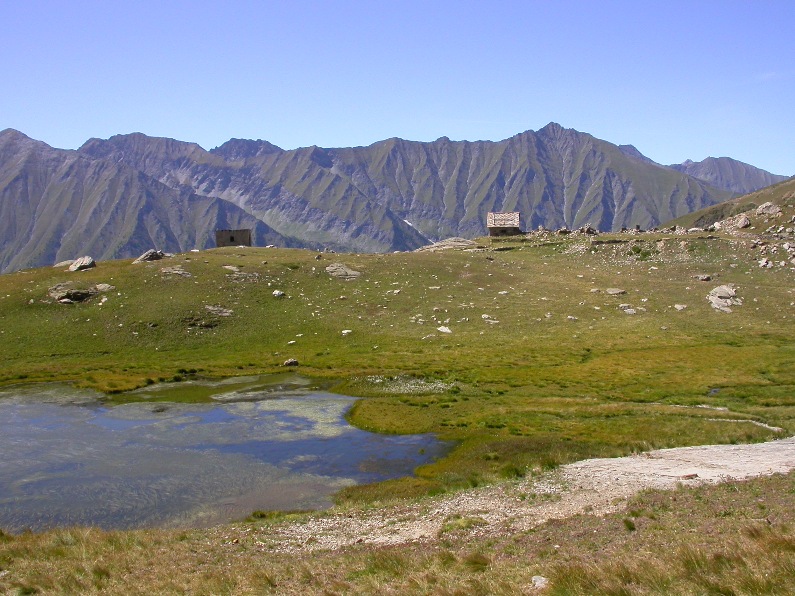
(187,454)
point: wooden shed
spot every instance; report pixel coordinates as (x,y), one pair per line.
(233,237)
(503,223)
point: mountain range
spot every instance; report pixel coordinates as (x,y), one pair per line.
(118,197)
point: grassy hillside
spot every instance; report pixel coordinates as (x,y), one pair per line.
(542,365)
(782,194)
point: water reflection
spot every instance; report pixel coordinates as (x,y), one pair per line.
(68,459)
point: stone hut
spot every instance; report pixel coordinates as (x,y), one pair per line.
(503,223)
(233,238)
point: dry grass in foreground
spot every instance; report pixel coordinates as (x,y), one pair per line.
(732,538)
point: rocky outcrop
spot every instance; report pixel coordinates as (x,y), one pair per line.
(341,271)
(449,244)
(723,298)
(149,255)
(68,293)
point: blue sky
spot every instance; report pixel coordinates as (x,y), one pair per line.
(676,79)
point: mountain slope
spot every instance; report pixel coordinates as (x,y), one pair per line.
(57,205)
(358,198)
(781,194)
(294,192)
(729,174)
(555,177)
(113,197)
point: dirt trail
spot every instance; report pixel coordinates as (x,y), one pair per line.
(595,485)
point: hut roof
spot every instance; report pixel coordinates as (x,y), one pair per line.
(503,219)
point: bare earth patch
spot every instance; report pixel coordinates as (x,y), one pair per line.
(598,486)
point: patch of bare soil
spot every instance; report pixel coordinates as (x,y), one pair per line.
(598,486)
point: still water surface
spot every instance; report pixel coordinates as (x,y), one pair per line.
(188,454)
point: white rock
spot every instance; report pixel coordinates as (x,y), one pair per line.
(444,329)
(278,294)
(82,263)
(539,582)
(346,332)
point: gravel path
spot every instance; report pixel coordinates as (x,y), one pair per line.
(595,485)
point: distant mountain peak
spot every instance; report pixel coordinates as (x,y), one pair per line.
(728,174)
(244,149)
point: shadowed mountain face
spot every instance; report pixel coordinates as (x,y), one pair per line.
(116,198)
(57,205)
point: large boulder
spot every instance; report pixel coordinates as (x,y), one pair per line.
(724,297)
(150,255)
(82,264)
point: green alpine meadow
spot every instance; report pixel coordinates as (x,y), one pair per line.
(527,354)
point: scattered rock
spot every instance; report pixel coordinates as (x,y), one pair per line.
(742,221)
(278,294)
(177,270)
(449,244)
(738,222)
(703,277)
(219,310)
(290,362)
(149,255)
(723,297)
(615,291)
(346,332)
(444,329)
(768,209)
(680,306)
(82,264)
(102,288)
(341,271)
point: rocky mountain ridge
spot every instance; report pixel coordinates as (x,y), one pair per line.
(116,198)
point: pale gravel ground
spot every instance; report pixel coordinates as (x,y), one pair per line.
(597,486)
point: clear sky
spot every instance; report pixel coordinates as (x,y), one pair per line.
(677,79)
